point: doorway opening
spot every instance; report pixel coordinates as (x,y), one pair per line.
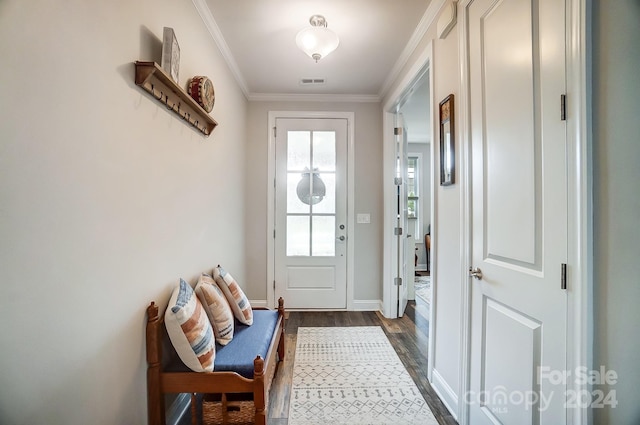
(415,112)
(409,199)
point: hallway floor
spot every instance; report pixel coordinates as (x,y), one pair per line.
(408,335)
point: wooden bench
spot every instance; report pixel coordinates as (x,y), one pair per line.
(170,376)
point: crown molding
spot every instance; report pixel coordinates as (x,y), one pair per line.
(205,13)
(294,97)
(427,20)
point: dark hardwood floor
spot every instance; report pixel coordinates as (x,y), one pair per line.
(408,335)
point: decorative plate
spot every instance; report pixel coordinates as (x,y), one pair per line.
(201,90)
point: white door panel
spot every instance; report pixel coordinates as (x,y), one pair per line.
(519,218)
(311,277)
(512,343)
(510,132)
(404,239)
(310,227)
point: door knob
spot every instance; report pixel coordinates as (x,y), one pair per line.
(476,273)
(341,238)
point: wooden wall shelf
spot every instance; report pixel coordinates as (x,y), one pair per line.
(156,81)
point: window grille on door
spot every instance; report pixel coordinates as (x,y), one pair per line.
(311,193)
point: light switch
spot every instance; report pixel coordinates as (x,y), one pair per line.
(363,218)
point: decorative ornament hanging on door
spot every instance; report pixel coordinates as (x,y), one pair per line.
(311,190)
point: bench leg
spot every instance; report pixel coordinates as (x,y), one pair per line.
(259,402)
(282,334)
(260,419)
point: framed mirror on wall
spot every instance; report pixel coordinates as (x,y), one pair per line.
(447,142)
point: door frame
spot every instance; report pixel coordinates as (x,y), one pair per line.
(389,293)
(579,208)
(271,181)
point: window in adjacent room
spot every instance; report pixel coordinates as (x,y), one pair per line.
(413,195)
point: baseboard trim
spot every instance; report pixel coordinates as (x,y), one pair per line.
(446,393)
(367,305)
(358,305)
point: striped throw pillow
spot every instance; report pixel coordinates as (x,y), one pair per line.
(217,308)
(189,329)
(237,299)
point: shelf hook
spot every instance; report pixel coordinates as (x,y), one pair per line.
(166,102)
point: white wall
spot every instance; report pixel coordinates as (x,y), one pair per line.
(368,193)
(446,231)
(616,175)
(106,199)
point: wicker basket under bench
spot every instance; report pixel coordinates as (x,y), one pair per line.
(163,378)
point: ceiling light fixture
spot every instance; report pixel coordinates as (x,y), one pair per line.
(317,41)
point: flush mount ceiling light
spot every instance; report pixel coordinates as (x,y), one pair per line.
(317,41)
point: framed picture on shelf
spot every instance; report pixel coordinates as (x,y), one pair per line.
(170,53)
(447,142)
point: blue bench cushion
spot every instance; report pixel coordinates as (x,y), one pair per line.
(247,343)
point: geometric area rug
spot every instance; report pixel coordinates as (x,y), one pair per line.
(352,375)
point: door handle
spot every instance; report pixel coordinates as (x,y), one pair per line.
(341,238)
(475,273)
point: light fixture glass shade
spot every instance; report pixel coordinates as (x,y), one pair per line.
(317,41)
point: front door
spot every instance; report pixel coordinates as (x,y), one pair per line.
(311,213)
(519,212)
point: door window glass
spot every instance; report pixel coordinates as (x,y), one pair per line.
(298,235)
(323,236)
(311,193)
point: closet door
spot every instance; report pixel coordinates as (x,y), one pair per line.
(519,212)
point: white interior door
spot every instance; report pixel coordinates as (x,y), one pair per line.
(311,213)
(519,212)
(404,239)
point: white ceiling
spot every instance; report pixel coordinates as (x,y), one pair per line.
(258,39)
